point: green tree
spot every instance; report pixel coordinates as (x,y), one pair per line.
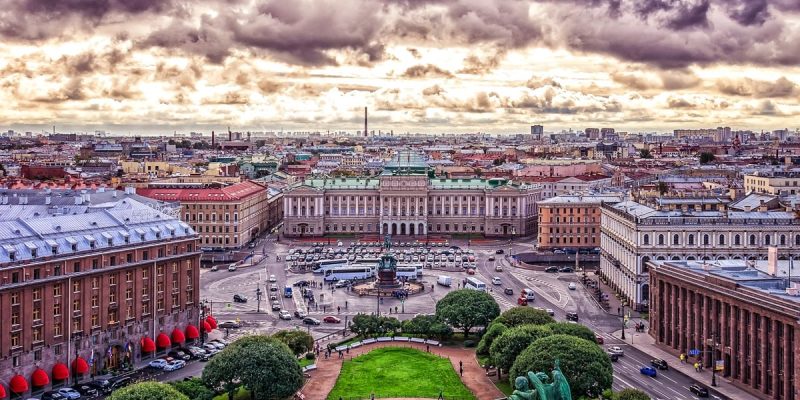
(388,325)
(577,330)
(512,342)
(194,389)
(494,330)
(364,325)
(707,157)
(645,153)
(467,309)
(585,365)
(441,331)
(662,187)
(148,391)
(419,325)
(299,341)
(244,362)
(524,315)
(631,394)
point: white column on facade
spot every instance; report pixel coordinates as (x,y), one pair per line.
(357,212)
(469,205)
(321,207)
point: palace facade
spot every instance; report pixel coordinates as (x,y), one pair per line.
(404,200)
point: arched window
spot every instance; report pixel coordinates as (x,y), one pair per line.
(646,239)
(767,240)
(705,240)
(797,240)
(783,240)
(676,240)
(722,239)
(661,240)
(690,240)
(737,240)
(752,240)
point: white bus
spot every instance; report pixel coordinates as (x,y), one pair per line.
(410,272)
(323,266)
(349,273)
(475,284)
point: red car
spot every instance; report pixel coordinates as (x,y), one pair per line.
(599,339)
(331,319)
(522,301)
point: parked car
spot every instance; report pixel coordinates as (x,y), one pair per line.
(218,345)
(86,389)
(300,283)
(52,395)
(499,251)
(342,283)
(551,269)
(470,271)
(300,314)
(272,278)
(180,355)
(566,270)
(509,291)
(175,365)
(210,349)
(571,316)
(116,383)
(660,364)
(273,288)
(284,315)
(331,319)
(158,363)
(572,286)
(550,312)
(649,371)
(69,393)
(698,390)
(237,298)
(232,268)
(498,268)
(491,258)
(615,350)
(311,321)
(229,325)
(196,352)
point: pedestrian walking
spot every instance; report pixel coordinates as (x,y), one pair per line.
(395,309)
(338,309)
(683,358)
(348,350)
(697,367)
(428,348)
(345,304)
(341,355)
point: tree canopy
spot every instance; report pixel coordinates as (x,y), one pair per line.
(707,157)
(194,389)
(370,325)
(577,330)
(427,325)
(631,394)
(645,153)
(245,362)
(147,391)
(494,330)
(524,315)
(585,365)
(467,309)
(512,342)
(299,341)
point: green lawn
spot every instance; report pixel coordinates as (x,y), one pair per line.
(304,362)
(398,372)
(505,387)
(241,394)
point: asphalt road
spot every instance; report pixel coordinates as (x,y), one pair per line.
(551,290)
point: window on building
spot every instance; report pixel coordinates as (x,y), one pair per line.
(737,240)
(676,239)
(722,240)
(645,238)
(661,240)
(752,240)
(690,240)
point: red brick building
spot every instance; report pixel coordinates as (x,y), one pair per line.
(730,311)
(91,290)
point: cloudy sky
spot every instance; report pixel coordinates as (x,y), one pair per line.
(419,65)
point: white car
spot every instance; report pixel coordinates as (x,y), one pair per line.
(158,363)
(496,281)
(285,315)
(232,268)
(272,278)
(572,286)
(218,345)
(174,365)
(498,268)
(616,350)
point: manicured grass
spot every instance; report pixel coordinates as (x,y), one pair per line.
(505,387)
(398,372)
(304,362)
(241,394)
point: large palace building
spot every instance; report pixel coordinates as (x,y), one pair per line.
(86,289)
(405,200)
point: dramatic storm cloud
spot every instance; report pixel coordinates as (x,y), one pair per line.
(429,65)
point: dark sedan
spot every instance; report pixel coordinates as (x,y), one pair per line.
(660,364)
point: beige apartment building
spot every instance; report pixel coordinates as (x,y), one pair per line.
(775,183)
(224,217)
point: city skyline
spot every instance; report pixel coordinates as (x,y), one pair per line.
(420,66)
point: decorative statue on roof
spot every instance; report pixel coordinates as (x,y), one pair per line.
(537,387)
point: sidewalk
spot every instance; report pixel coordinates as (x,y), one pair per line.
(645,343)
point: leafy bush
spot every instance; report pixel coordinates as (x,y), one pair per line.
(310,356)
(469,343)
(493,332)
(524,315)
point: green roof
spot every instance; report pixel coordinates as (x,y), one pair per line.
(469,183)
(342,183)
(373,183)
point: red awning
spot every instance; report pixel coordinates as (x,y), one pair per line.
(60,372)
(191,332)
(207,326)
(147,345)
(211,321)
(39,378)
(80,366)
(162,341)
(18,384)
(2,392)
(177,336)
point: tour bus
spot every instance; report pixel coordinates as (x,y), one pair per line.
(366,261)
(475,284)
(410,272)
(323,266)
(349,273)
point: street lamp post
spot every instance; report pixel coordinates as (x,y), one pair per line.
(715,339)
(258,299)
(623,321)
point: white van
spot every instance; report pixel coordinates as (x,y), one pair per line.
(445,280)
(529,294)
